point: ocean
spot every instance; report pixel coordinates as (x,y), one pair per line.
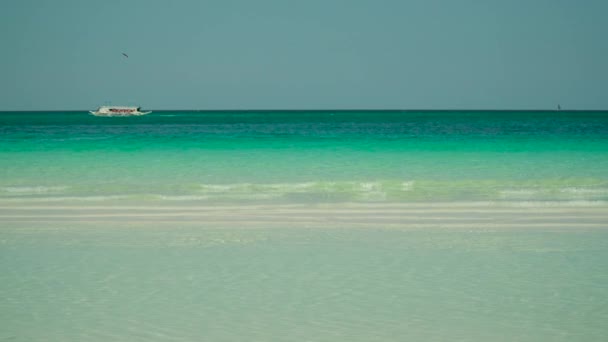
(304,225)
(305,156)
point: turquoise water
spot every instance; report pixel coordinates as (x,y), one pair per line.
(304,226)
(305,156)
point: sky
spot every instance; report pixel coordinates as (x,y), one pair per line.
(313,54)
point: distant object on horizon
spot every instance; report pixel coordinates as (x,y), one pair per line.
(124,54)
(559,107)
(118,111)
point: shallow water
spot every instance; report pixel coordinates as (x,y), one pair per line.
(190,282)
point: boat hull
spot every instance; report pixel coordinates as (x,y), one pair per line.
(118,111)
(118,114)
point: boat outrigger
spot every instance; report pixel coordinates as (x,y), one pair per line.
(118,111)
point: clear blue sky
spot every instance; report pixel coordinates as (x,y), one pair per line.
(271,54)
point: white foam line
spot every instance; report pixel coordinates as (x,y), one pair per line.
(355,213)
(229,216)
(316,210)
(388,205)
(306,212)
(340,225)
(303,217)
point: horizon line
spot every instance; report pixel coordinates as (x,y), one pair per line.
(327,110)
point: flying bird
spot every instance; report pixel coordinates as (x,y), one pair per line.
(124,54)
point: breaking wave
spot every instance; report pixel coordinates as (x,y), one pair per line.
(321,191)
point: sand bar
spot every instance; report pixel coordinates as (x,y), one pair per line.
(451,214)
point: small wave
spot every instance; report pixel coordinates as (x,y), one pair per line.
(407,186)
(322,190)
(329,186)
(65,199)
(572,203)
(27,190)
(370,186)
(585,191)
(181,198)
(252,187)
(518,193)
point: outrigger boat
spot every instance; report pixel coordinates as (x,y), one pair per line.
(118,111)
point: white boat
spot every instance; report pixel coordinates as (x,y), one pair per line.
(118,111)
